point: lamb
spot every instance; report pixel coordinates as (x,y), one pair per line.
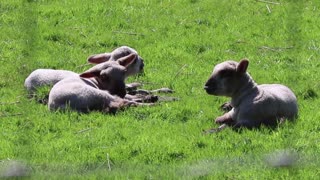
(45,77)
(135,68)
(253,105)
(101,87)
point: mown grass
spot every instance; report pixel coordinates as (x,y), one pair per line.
(180,41)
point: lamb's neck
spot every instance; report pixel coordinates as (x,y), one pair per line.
(249,87)
(100,84)
(93,82)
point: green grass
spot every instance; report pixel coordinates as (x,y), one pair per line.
(180,42)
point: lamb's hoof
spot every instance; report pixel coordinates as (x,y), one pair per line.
(226,107)
(215,130)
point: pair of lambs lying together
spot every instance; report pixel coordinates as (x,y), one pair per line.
(102,87)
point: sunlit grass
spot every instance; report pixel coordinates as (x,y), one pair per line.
(180,42)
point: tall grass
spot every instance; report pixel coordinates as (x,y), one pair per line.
(180,41)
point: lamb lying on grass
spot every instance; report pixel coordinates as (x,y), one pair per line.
(101,88)
(253,105)
(135,68)
(46,77)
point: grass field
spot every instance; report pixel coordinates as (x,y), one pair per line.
(180,42)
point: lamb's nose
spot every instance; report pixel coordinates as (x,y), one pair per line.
(205,87)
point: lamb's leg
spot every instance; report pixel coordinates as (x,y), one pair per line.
(146,92)
(282,120)
(135,104)
(146,99)
(132,88)
(142,98)
(122,104)
(215,130)
(162,90)
(224,119)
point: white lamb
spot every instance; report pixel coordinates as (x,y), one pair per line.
(134,68)
(45,77)
(101,88)
(253,105)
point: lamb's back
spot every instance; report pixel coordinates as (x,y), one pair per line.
(43,77)
(76,93)
(277,99)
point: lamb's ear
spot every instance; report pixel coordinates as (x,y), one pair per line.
(99,58)
(90,74)
(127,60)
(242,66)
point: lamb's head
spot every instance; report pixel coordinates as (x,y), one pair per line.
(227,78)
(110,75)
(134,68)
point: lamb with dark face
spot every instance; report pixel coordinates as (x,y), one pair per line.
(253,105)
(227,80)
(102,88)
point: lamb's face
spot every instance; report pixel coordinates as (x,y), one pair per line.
(224,80)
(135,67)
(112,79)
(110,75)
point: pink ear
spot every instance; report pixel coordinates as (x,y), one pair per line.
(242,66)
(127,60)
(99,58)
(90,74)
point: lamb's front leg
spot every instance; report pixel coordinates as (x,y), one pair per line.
(225,119)
(132,88)
(120,104)
(215,130)
(142,98)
